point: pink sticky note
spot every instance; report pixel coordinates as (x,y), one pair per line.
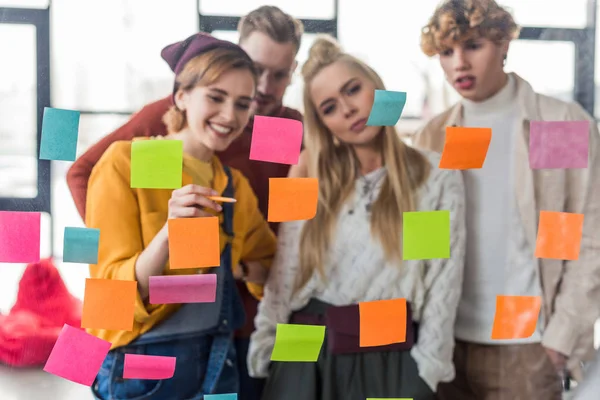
(558,144)
(276,140)
(77,356)
(19,237)
(168,289)
(138,366)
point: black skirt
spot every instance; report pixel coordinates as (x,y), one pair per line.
(347,376)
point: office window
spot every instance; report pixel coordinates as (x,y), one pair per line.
(310,9)
(548,13)
(24,3)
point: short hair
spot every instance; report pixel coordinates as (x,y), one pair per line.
(456,21)
(279,26)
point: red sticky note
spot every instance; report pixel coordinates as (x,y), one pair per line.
(170,289)
(382,322)
(276,140)
(19,237)
(109,304)
(139,366)
(77,356)
(292,199)
(559,235)
(516,317)
(194,243)
(465,148)
(559,144)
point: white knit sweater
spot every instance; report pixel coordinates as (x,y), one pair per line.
(357,271)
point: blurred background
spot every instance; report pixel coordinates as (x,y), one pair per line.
(102,58)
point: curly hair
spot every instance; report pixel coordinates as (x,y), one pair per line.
(456,21)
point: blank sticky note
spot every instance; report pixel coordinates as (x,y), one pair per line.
(81,245)
(194,243)
(109,304)
(299,343)
(227,396)
(170,289)
(60,130)
(558,144)
(77,356)
(387,108)
(559,235)
(139,366)
(516,316)
(292,199)
(276,140)
(426,235)
(382,322)
(19,237)
(156,164)
(465,148)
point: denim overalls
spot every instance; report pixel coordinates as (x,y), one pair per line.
(199,335)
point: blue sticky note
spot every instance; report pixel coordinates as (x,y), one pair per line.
(60,129)
(387,108)
(229,396)
(81,245)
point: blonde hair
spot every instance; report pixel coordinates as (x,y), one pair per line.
(204,70)
(455,21)
(336,166)
(272,21)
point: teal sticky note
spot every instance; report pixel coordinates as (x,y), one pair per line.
(81,245)
(387,108)
(228,396)
(426,235)
(60,130)
(156,164)
(298,343)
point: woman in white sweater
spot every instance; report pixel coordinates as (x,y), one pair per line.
(351,252)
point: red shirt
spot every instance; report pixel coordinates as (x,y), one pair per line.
(148,122)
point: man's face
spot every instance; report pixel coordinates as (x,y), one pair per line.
(474,68)
(275,63)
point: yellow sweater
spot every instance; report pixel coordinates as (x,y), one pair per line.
(129,219)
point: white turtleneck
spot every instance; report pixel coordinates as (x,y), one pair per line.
(499,260)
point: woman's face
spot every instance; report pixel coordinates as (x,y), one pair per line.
(218,113)
(343,97)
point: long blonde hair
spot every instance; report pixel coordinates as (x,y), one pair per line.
(336,166)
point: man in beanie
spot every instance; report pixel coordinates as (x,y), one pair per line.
(504,201)
(272,39)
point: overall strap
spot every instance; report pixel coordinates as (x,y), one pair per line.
(228,207)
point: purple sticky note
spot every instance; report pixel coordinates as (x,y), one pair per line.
(558,144)
(77,356)
(19,237)
(276,140)
(139,366)
(169,289)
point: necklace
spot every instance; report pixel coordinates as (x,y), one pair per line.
(368,190)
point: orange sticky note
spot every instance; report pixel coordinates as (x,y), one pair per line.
(516,316)
(382,322)
(292,199)
(109,304)
(194,243)
(559,235)
(465,148)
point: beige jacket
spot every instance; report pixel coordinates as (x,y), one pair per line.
(571,289)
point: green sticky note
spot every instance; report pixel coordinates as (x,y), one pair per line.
(426,235)
(300,343)
(156,164)
(387,108)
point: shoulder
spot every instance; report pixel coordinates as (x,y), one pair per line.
(431,134)
(291,113)
(118,154)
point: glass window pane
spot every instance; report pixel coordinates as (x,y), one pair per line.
(551,13)
(315,9)
(24,3)
(93,127)
(18,105)
(120,68)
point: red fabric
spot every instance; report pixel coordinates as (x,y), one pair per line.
(43,306)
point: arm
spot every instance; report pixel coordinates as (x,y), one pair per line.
(275,306)
(576,305)
(443,282)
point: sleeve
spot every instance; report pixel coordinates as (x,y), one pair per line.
(443,282)
(113,208)
(78,175)
(576,303)
(259,242)
(275,306)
